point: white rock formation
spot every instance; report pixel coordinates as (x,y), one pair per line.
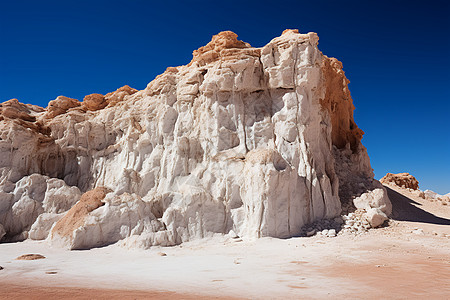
(42,226)
(33,196)
(376,204)
(258,141)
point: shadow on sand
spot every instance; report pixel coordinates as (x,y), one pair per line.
(404,209)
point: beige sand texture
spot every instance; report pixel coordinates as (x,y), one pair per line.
(409,259)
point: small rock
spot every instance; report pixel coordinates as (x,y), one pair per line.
(1,268)
(30,257)
(418,231)
(331,233)
(51,272)
(162,254)
(233,234)
(325,232)
(310,233)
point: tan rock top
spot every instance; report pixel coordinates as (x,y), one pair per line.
(217,47)
(404,180)
(13,109)
(94,102)
(60,106)
(119,95)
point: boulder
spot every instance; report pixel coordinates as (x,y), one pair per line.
(404,180)
(94,102)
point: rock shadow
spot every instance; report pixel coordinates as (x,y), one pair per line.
(404,209)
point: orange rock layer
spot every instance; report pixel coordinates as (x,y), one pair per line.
(404,180)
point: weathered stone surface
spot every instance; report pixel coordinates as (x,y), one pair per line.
(31,197)
(76,216)
(404,180)
(94,102)
(119,95)
(255,141)
(60,106)
(13,109)
(30,257)
(42,226)
(375,217)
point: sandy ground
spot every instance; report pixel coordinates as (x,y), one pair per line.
(410,259)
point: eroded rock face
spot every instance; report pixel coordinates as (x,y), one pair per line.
(404,180)
(29,200)
(260,141)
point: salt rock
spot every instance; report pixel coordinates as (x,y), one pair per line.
(42,226)
(376,198)
(376,204)
(404,180)
(375,217)
(331,233)
(260,141)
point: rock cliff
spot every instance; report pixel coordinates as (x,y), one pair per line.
(255,141)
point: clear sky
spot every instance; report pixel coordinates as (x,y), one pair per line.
(395,53)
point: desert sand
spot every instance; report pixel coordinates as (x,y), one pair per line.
(409,259)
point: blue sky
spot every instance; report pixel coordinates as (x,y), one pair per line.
(395,53)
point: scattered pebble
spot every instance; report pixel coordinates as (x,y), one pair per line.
(1,268)
(418,231)
(162,254)
(51,272)
(30,257)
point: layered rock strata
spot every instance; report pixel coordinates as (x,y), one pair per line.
(258,141)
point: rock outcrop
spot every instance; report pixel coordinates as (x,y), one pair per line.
(404,180)
(258,141)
